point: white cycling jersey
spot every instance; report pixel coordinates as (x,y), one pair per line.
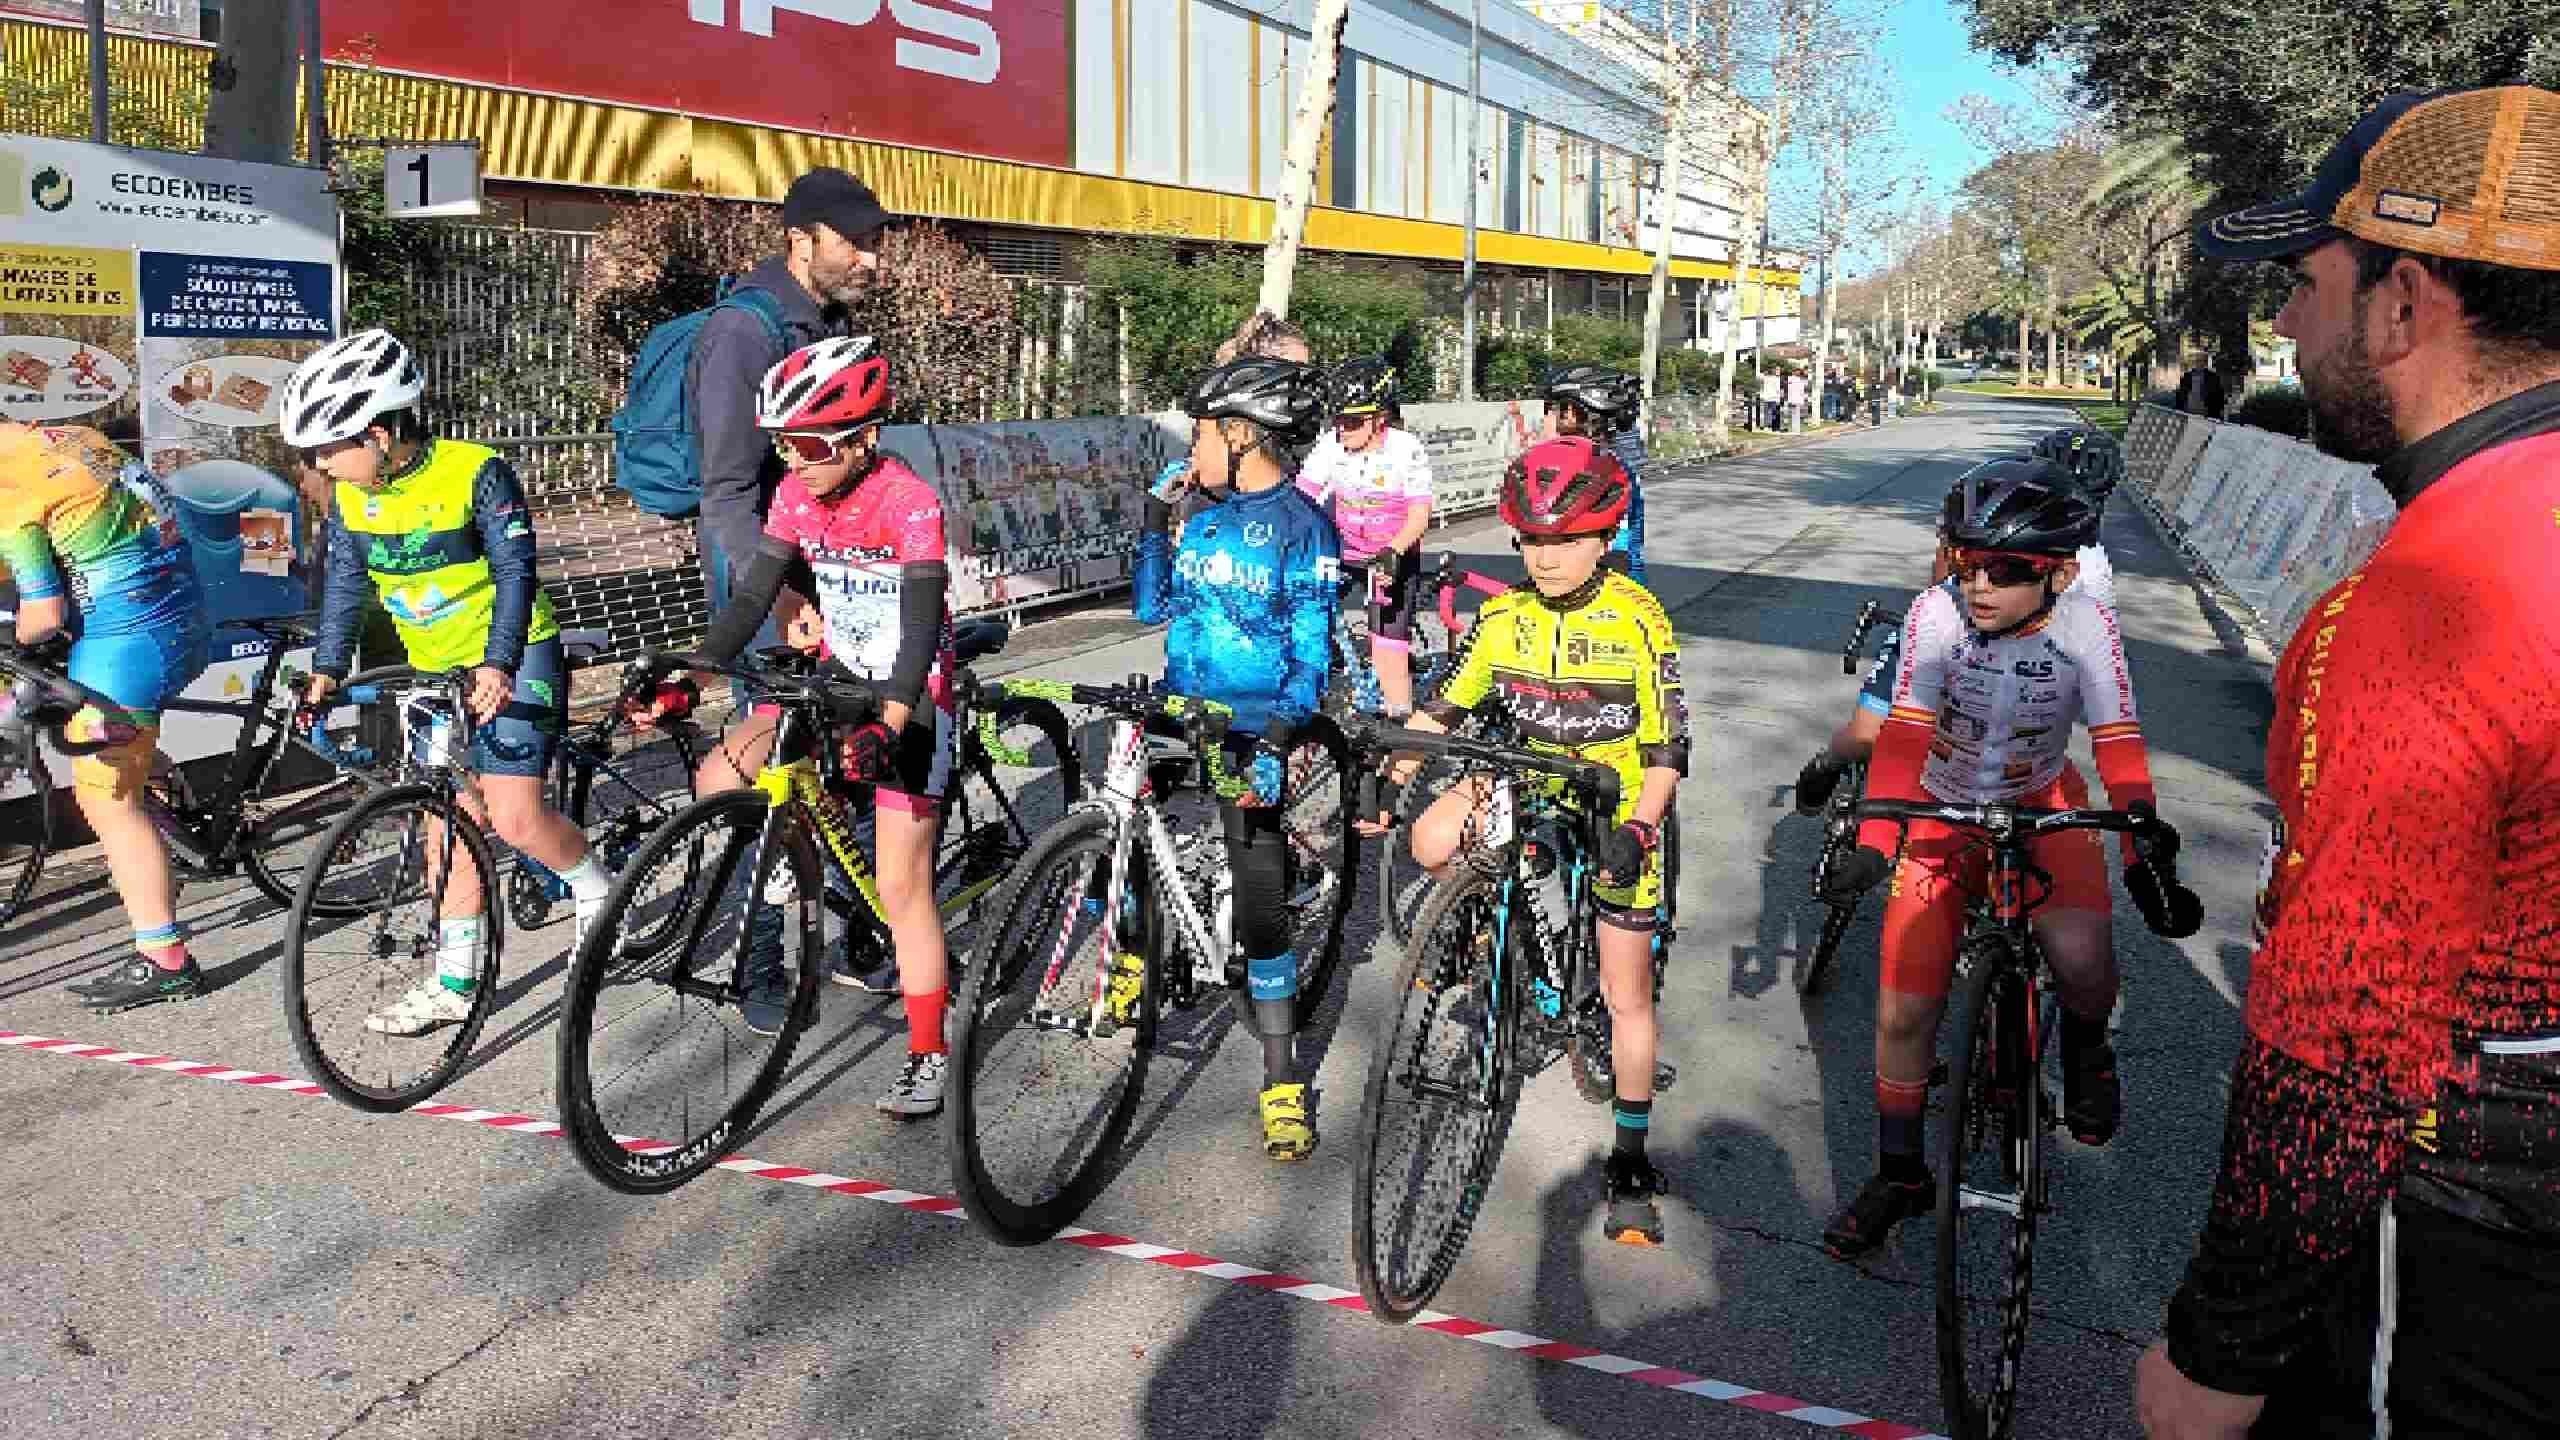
(2003,707)
(1367,493)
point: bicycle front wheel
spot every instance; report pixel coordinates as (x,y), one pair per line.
(1048,1054)
(379,1006)
(667,1055)
(1323,864)
(28,838)
(1990,1192)
(1440,1099)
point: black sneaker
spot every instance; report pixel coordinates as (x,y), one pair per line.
(2092,1096)
(138,982)
(1881,1205)
(1633,1218)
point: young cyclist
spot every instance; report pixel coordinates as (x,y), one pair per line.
(90,555)
(1250,595)
(1607,406)
(1993,672)
(871,533)
(1583,660)
(1375,481)
(441,531)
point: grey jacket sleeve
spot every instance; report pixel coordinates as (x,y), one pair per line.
(730,357)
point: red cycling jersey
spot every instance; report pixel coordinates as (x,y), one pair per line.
(859,544)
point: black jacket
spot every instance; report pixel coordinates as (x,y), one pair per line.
(730,356)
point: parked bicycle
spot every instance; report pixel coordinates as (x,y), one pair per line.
(1491,990)
(1839,825)
(1402,884)
(659,1074)
(244,824)
(1993,1189)
(1052,1042)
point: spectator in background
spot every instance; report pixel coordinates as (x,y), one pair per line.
(1791,402)
(2201,392)
(1771,396)
(831,246)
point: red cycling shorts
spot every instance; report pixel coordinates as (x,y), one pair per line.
(1942,868)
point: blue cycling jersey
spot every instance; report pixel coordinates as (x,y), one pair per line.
(1251,598)
(1628,446)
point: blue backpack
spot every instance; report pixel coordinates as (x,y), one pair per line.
(657,455)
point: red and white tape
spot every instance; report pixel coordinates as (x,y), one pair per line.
(1535,1347)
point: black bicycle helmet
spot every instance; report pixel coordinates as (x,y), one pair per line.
(2020,503)
(1609,396)
(1364,386)
(1282,396)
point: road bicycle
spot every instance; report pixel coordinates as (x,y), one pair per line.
(244,824)
(367,922)
(1839,826)
(1402,884)
(659,1072)
(1490,991)
(1123,907)
(1993,1147)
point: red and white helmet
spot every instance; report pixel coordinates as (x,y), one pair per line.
(832,385)
(1564,486)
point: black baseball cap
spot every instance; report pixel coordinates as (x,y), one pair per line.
(2467,174)
(834,198)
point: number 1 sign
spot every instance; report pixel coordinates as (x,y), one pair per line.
(421,182)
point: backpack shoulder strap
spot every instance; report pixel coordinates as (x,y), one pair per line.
(756,301)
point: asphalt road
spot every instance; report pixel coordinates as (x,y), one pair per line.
(208,1258)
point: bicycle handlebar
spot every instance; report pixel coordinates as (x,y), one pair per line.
(1138,699)
(1870,615)
(359,691)
(1597,782)
(1446,580)
(52,700)
(2006,821)
(787,677)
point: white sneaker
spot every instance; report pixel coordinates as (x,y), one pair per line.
(427,1005)
(918,1090)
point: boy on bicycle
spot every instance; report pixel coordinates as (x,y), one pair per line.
(1994,670)
(1251,594)
(1607,406)
(870,532)
(1583,660)
(441,531)
(1374,480)
(92,558)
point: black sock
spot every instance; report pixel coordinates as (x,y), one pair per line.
(1635,1119)
(1279,1060)
(2078,1034)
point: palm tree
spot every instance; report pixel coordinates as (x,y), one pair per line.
(2147,186)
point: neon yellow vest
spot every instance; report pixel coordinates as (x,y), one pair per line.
(422,548)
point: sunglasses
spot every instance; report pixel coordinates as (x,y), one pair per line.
(1358,422)
(802,447)
(2003,568)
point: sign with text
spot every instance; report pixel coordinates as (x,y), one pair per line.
(421,182)
(235,297)
(978,77)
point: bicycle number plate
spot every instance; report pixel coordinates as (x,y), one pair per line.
(1495,820)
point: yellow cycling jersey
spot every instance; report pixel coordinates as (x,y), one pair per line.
(426,541)
(1599,681)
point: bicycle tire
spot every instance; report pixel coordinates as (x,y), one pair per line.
(1403,885)
(620,832)
(1008,980)
(1816,969)
(272,835)
(22,855)
(741,864)
(996,841)
(1995,1134)
(308,993)
(1317,818)
(1486,1035)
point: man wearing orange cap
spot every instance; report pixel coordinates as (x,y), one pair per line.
(84,545)
(2382,1251)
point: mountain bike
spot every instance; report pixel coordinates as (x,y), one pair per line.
(1839,826)
(1992,1149)
(1491,989)
(1124,906)
(368,919)
(1402,884)
(659,1073)
(238,827)
(615,782)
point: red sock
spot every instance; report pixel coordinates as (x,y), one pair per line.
(924,1021)
(174,958)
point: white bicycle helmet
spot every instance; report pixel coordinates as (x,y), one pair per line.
(831,385)
(337,393)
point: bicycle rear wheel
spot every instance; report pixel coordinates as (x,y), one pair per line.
(28,837)
(1324,865)
(1040,1095)
(995,811)
(644,778)
(1440,1099)
(392,860)
(1990,1191)
(660,1072)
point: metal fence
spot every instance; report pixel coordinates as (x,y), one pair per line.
(608,564)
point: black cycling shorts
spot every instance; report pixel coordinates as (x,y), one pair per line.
(1390,612)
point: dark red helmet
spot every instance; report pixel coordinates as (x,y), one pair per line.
(1565,486)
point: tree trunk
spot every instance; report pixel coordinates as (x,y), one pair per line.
(1657,299)
(2026,348)
(1746,254)
(1298,163)
(2053,327)
(249,100)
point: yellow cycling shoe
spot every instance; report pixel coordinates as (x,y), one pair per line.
(1285,1132)
(1128,984)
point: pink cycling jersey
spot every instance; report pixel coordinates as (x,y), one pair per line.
(859,546)
(1369,493)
